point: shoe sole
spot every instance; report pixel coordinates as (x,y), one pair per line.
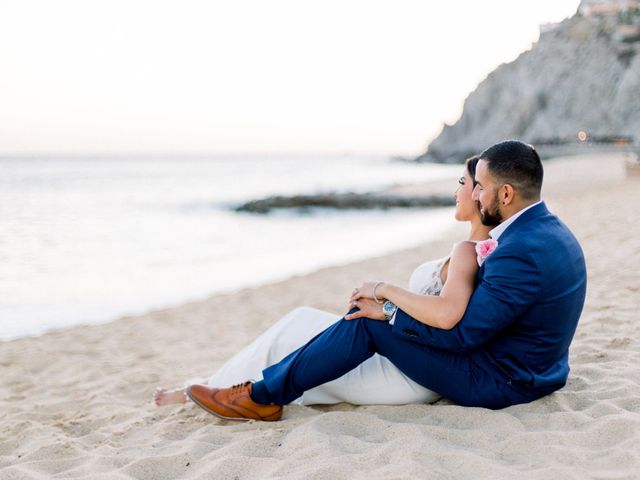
(206,409)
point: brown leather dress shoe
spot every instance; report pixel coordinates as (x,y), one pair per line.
(233,403)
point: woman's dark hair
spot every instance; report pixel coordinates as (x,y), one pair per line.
(472,163)
(518,164)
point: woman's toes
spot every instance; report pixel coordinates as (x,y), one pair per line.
(163,397)
(158,395)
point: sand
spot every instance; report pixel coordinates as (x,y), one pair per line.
(77,404)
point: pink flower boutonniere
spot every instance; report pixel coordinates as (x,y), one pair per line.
(484,249)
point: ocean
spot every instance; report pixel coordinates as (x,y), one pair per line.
(88,240)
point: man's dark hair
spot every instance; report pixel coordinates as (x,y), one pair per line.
(517,164)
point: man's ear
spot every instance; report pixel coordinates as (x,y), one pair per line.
(506,194)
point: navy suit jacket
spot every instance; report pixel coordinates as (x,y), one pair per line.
(523,314)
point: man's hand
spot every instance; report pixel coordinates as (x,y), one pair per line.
(367,308)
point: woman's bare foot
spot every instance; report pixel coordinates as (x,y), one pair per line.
(163,397)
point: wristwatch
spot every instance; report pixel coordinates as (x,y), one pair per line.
(389,308)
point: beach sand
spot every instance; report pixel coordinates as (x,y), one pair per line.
(77,404)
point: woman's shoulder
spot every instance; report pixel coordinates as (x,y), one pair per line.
(464,251)
(464,247)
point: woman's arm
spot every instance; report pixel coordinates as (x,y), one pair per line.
(443,311)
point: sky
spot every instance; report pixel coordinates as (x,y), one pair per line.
(249,76)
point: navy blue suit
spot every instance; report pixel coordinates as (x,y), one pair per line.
(510,347)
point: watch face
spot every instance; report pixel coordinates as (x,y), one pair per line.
(388,308)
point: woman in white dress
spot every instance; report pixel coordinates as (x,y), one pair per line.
(377,380)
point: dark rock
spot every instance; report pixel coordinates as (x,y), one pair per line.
(344,201)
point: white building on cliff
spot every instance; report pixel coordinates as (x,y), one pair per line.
(590,8)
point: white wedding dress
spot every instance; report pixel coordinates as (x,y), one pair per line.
(375,381)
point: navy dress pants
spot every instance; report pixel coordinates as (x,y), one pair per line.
(347,343)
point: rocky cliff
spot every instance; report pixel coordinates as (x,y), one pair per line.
(583,75)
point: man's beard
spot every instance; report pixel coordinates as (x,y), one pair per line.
(491,216)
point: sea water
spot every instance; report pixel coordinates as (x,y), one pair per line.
(87,240)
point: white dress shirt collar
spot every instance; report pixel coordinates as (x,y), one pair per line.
(499,230)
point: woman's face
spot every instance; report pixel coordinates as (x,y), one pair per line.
(466,207)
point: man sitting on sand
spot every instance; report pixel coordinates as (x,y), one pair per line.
(511,346)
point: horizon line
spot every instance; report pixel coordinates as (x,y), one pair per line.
(194,154)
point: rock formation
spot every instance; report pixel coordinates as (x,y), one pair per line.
(583,75)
